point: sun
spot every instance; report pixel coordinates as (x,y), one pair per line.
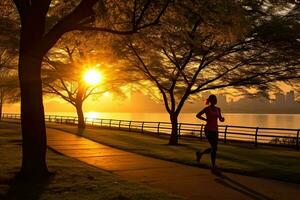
(106,94)
(92,77)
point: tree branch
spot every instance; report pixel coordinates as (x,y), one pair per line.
(160,87)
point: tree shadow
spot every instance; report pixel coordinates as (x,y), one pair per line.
(237,186)
(26,189)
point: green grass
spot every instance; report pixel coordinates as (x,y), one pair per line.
(73,179)
(269,162)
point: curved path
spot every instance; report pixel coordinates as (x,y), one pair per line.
(186,181)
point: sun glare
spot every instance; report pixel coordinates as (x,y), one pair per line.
(106,94)
(92,77)
(92,115)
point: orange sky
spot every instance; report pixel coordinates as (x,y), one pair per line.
(107,103)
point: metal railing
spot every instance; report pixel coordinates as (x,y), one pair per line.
(255,135)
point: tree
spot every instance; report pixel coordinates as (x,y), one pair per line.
(9,87)
(216,45)
(82,56)
(42,25)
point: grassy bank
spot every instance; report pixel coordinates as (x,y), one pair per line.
(269,162)
(73,180)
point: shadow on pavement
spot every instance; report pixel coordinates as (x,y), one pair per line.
(235,185)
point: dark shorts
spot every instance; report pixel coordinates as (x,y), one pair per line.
(212,137)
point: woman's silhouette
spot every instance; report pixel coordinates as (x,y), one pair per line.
(212,113)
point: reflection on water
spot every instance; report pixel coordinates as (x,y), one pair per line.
(92,115)
(240,119)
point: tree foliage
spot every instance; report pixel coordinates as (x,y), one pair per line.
(81,55)
(209,45)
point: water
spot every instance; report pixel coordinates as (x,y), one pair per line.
(239,119)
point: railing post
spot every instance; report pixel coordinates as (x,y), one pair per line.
(297,139)
(110,123)
(158,125)
(120,121)
(225,132)
(61,119)
(201,132)
(256,134)
(143,127)
(179,130)
(129,126)
(101,122)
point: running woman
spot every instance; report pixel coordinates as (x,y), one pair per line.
(213,113)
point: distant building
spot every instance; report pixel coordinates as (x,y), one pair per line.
(279,99)
(290,98)
(221,99)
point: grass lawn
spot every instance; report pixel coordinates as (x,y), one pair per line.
(73,179)
(270,162)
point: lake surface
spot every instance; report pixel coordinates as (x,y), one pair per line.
(240,119)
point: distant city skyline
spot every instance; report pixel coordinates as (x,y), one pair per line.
(282,103)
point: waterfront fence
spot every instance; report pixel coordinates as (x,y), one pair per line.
(255,135)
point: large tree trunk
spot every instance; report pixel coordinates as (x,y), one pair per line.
(31,53)
(174,134)
(81,123)
(32,117)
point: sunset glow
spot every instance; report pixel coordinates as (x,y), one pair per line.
(92,115)
(106,94)
(92,77)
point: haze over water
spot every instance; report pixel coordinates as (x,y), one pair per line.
(239,119)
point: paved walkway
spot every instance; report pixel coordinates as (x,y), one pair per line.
(187,181)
